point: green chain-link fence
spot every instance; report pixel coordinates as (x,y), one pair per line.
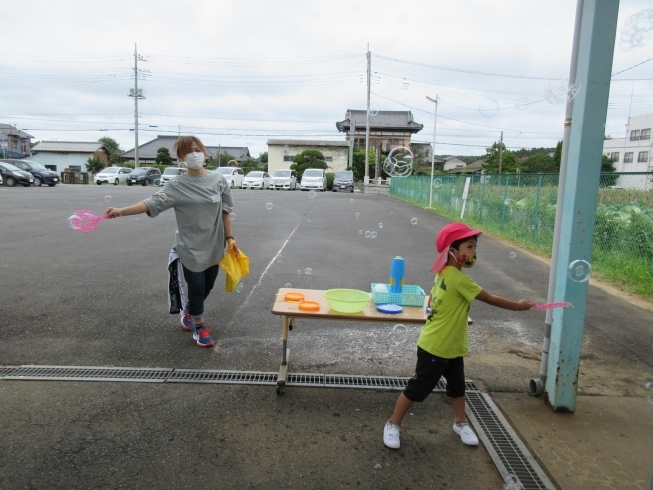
(522,207)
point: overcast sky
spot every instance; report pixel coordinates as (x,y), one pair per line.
(239,73)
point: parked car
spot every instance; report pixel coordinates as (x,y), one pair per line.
(41,174)
(234,175)
(113,175)
(144,176)
(343,181)
(313,178)
(12,175)
(170,173)
(256,180)
(283,179)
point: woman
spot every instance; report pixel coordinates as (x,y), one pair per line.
(202,203)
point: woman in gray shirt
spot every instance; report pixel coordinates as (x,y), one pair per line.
(202,203)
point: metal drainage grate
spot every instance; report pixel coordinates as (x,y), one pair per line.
(506,449)
(226,377)
(6,370)
(305,379)
(85,373)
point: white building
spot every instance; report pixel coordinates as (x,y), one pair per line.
(281,153)
(634,153)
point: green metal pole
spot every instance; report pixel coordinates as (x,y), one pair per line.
(537,208)
(594,66)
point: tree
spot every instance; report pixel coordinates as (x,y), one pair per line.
(110,144)
(263,157)
(540,163)
(509,163)
(221,161)
(359,163)
(607,165)
(94,165)
(163,156)
(557,155)
(115,158)
(421,156)
(308,159)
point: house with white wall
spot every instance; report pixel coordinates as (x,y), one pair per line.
(634,153)
(281,153)
(59,155)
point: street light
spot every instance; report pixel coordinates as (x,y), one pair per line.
(435,120)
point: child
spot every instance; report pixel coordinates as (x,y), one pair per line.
(443,342)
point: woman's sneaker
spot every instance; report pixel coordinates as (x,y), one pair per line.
(391,435)
(186,321)
(202,336)
(466,433)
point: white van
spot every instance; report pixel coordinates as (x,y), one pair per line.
(313,178)
(234,175)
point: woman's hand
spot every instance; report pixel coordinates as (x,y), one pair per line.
(231,243)
(112,213)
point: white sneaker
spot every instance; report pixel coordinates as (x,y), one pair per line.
(391,435)
(466,433)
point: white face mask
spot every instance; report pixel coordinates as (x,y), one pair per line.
(195,160)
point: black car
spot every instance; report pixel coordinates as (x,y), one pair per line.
(343,181)
(41,174)
(144,176)
(12,175)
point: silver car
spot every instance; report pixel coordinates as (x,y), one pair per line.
(113,175)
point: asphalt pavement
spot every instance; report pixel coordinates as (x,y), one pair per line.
(99,299)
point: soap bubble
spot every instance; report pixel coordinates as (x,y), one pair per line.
(156,181)
(107,198)
(513,483)
(373,234)
(579,271)
(287,285)
(360,232)
(413,221)
(399,162)
(342,158)
(183,165)
(649,391)
(437,183)
(308,271)
(380,225)
(398,335)
(163,196)
(311,194)
(508,202)
(299,271)
(368,234)
(522,103)
(559,90)
(373,112)
(637,31)
(279,258)
(513,255)
(173,181)
(351,201)
(360,182)
(75,222)
(488,107)
(232,216)
(239,288)
(357,214)
(269,205)
(532,227)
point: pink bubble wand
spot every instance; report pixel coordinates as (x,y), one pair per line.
(549,306)
(85,221)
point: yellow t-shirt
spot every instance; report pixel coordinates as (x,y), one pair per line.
(445,331)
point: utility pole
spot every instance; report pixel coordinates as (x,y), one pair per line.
(137,95)
(500,151)
(435,121)
(367,128)
(352,139)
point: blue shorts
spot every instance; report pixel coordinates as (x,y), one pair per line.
(428,371)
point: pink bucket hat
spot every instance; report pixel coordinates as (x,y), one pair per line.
(446,236)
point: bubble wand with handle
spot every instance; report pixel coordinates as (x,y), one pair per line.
(85,221)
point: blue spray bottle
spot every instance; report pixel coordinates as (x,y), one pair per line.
(397,275)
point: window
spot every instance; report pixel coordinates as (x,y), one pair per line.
(15,145)
(628,157)
(643,156)
(287,158)
(614,156)
(328,159)
(51,167)
(24,147)
(645,134)
(76,168)
(634,135)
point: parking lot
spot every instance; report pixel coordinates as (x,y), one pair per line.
(99,299)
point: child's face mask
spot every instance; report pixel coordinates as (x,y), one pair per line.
(466,261)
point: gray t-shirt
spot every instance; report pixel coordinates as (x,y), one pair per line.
(198,203)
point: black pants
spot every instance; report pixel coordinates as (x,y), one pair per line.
(428,370)
(199,287)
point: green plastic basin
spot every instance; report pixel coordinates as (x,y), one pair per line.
(347,300)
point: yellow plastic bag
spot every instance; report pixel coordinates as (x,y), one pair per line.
(235,267)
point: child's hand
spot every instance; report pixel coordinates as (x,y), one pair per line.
(525,304)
